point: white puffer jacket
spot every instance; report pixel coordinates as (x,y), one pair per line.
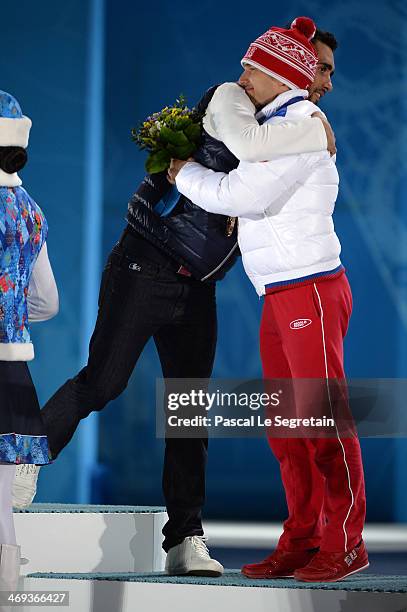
(284,206)
(230,117)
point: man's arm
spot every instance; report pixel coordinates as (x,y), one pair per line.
(151,190)
(250,189)
(230,117)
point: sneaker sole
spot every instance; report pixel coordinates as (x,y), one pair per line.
(267,577)
(206,573)
(360,569)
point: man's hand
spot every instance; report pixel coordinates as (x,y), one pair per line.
(175,167)
(330,136)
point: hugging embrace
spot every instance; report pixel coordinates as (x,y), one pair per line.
(265,157)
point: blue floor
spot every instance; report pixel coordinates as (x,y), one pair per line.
(380,563)
(362,582)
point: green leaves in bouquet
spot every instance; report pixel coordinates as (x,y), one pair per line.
(158,161)
(175,131)
(193,132)
(176,138)
(177,143)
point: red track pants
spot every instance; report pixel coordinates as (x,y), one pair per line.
(322,477)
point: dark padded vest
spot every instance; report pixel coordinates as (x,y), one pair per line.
(196,239)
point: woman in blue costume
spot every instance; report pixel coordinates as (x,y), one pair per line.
(27,293)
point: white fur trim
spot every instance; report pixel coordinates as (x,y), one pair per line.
(16,351)
(14,132)
(9,180)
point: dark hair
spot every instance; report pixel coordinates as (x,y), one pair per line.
(327,38)
(12,159)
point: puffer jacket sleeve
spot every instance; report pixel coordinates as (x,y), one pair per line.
(230,117)
(151,189)
(250,189)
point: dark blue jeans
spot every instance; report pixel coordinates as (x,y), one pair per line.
(142,296)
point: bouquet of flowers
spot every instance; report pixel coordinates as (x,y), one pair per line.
(175,131)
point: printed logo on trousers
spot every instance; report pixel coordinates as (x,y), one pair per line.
(349,559)
(300,323)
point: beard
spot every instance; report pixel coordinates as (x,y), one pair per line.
(253,99)
(315,97)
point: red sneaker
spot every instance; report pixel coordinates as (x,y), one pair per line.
(334,566)
(280,564)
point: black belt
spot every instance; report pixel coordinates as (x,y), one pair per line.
(135,244)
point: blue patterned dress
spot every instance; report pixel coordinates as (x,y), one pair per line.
(23,231)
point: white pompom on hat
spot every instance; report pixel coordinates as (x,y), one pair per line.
(14,126)
(287,55)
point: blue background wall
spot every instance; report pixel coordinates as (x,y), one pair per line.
(148,53)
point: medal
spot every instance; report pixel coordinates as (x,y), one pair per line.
(230,226)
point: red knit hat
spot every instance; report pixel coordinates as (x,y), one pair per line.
(287,55)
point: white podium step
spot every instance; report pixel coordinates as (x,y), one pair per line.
(109,559)
(184,595)
(74,538)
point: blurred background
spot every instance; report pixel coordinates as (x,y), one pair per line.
(86,72)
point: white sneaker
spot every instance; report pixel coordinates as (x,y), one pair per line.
(191,558)
(25,485)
